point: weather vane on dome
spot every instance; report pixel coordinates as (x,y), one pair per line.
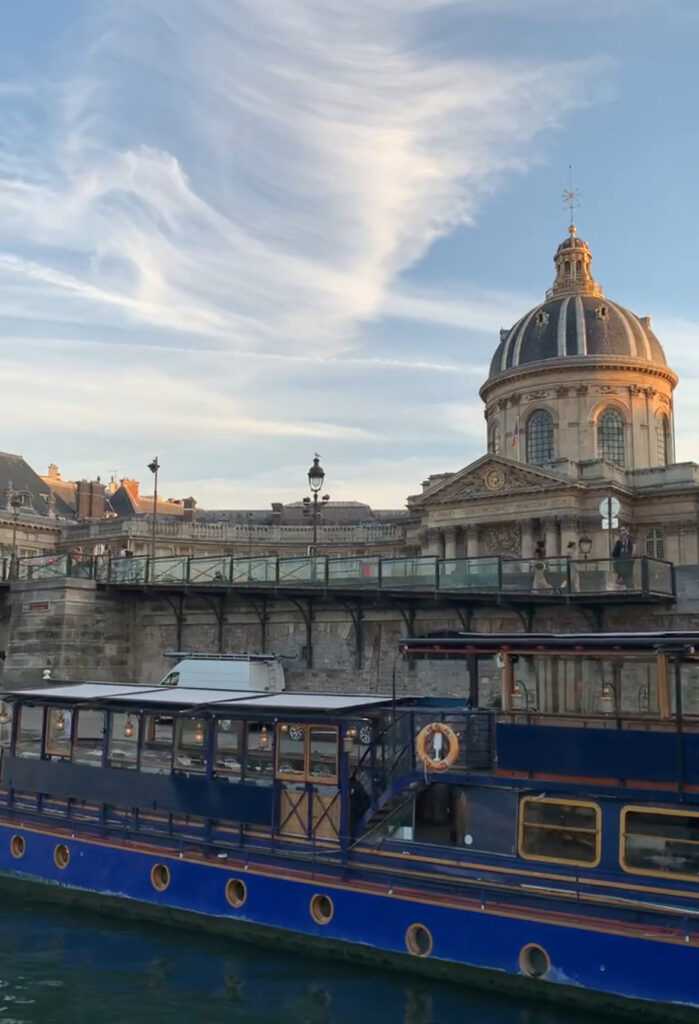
(571,198)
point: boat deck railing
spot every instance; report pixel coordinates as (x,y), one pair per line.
(487,576)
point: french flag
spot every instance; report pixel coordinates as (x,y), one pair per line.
(515,433)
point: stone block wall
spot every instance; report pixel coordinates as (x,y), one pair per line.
(85,633)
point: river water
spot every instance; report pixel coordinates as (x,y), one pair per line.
(61,966)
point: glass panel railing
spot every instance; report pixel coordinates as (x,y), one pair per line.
(302,570)
(129,570)
(353,572)
(262,569)
(535,575)
(608,575)
(408,572)
(476,574)
(659,576)
(42,567)
(167,570)
(209,570)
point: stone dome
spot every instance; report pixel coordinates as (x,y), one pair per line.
(575,320)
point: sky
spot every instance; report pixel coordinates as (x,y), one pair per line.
(234,233)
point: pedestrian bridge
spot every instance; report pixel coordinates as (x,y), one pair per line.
(642,578)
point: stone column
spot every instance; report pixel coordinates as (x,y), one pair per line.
(450,542)
(570,532)
(527,538)
(551,538)
(472,546)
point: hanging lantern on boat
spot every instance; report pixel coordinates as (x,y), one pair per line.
(60,722)
(349,740)
(264,738)
(198,732)
(516,698)
(606,701)
(4,716)
(128,727)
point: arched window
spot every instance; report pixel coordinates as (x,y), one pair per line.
(540,437)
(662,438)
(494,446)
(655,543)
(610,437)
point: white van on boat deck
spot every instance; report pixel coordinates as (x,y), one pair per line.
(261,673)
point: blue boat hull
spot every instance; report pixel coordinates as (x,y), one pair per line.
(590,961)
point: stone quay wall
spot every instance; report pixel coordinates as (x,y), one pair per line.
(82,632)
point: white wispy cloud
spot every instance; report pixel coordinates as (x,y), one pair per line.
(248,180)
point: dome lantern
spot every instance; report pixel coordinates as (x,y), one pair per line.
(573,277)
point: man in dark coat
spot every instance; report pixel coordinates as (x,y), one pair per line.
(622,553)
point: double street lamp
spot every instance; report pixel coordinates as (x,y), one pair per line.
(316,476)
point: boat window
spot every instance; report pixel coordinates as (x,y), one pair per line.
(29,731)
(307,753)
(259,763)
(88,739)
(228,747)
(6,716)
(291,752)
(659,842)
(122,749)
(172,679)
(58,730)
(190,755)
(322,754)
(158,736)
(559,830)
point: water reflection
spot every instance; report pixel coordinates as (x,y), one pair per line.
(61,966)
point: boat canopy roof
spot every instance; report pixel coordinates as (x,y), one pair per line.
(453,644)
(181,698)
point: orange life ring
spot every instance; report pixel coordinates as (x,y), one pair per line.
(425,735)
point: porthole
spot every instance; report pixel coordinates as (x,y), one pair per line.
(321,908)
(418,940)
(236,892)
(17,846)
(534,960)
(160,877)
(61,855)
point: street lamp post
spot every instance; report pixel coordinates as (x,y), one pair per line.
(316,476)
(15,503)
(154,466)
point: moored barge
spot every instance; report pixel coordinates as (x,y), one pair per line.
(548,841)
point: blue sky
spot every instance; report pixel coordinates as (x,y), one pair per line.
(236,232)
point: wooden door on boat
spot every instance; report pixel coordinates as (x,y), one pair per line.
(307,768)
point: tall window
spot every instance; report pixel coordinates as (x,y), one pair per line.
(495,439)
(610,437)
(540,437)
(655,543)
(662,438)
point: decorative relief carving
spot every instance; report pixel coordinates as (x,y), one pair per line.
(650,392)
(515,399)
(535,396)
(635,389)
(582,389)
(503,540)
(562,391)
(607,389)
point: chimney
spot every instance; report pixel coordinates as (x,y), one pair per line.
(53,473)
(89,499)
(190,510)
(131,486)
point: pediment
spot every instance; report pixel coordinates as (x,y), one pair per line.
(488,477)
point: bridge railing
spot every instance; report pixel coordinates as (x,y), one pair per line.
(540,577)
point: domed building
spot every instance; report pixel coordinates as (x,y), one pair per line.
(578,408)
